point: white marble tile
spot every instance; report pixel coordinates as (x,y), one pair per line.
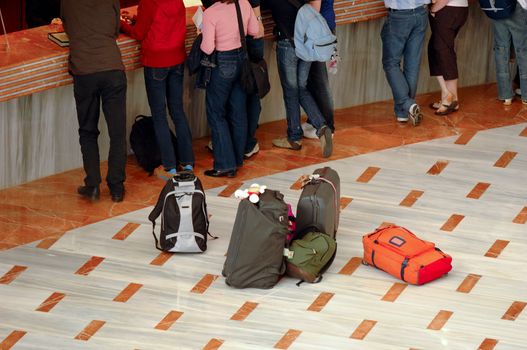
(400,325)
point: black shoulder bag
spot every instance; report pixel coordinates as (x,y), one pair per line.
(254,76)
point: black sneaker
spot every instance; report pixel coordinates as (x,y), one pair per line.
(326,141)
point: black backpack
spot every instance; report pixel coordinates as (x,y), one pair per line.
(144,143)
(184,218)
(498,9)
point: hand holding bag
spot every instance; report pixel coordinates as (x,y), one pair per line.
(254,76)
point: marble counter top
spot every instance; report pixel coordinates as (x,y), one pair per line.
(33,63)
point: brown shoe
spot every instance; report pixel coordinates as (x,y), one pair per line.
(286,143)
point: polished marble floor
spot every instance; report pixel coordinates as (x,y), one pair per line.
(77,275)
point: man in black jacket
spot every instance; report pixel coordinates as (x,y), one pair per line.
(98,76)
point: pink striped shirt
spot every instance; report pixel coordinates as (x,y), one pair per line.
(220,26)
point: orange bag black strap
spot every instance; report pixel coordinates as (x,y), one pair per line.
(403,267)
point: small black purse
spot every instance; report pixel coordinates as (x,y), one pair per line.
(254,77)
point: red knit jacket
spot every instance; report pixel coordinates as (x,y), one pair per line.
(161,28)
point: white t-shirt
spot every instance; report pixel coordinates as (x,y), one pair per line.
(458,3)
(523,3)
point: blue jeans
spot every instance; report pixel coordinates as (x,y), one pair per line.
(318,85)
(165,86)
(255,47)
(513,28)
(402,37)
(224,92)
(294,94)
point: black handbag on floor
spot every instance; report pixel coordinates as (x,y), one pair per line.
(254,75)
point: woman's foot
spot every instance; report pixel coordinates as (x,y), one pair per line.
(507,101)
(446,109)
(220,173)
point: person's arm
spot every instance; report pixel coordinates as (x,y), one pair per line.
(258,16)
(209,33)
(316,4)
(438,5)
(143,21)
(253,25)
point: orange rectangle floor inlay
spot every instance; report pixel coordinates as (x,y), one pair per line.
(11,340)
(478,190)
(394,292)
(161,259)
(125,231)
(288,339)
(90,330)
(437,168)
(344,202)
(168,320)
(521,218)
(244,311)
(320,302)
(514,310)
(298,183)
(351,266)
(230,189)
(488,344)
(204,284)
(465,137)
(440,320)
(363,329)
(50,302)
(524,132)
(496,248)
(89,266)
(411,198)
(213,344)
(48,242)
(368,174)
(128,292)
(10,275)
(505,159)
(468,283)
(452,222)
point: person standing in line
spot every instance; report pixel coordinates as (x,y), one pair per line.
(228,128)
(446,19)
(506,31)
(255,49)
(402,37)
(318,81)
(98,76)
(284,15)
(160,26)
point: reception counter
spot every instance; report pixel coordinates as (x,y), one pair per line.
(38,125)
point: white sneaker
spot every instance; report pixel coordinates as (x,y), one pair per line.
(309,131)
(507,101)
(255,150)
(518,92)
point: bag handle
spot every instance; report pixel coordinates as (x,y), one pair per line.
(240,26)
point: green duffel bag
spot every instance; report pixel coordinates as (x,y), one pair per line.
(309,257)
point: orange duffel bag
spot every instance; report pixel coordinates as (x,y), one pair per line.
(402,254)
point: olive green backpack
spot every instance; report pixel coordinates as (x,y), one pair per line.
(310,256)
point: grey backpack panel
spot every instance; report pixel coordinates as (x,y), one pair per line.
(255,254)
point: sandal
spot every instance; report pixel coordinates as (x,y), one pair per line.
(435,105)
(452,107)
